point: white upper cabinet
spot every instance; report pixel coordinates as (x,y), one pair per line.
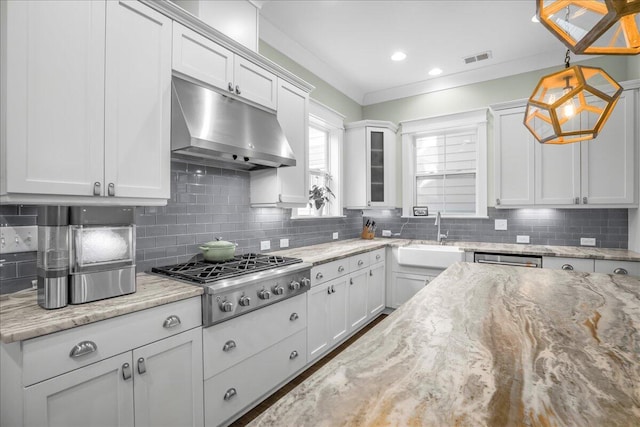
(200,58)
(287,186)
(598,172)
(370,152)
(86,112)
(514,151)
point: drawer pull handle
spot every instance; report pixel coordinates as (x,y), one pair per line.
(340,269)
(85,347)
(229,345)
(294,316)
(333,290)
(319,276)
(351,281)
(230,87)
(238,90)
(567,267)
(96,188)
(171,322)
(230,394)
(293,354)
(111,189)
(370,272)
(620,271)
(142,367)
(126,371)
(360,262)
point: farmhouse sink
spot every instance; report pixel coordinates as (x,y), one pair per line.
(432,256)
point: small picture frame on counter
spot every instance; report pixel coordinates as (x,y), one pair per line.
(420,211)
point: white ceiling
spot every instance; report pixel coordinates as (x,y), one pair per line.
(348,43)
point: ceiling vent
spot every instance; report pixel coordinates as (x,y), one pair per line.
(477,58)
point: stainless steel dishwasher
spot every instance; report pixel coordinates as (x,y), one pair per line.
(530,261)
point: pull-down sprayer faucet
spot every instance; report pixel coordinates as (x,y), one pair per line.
(440,237)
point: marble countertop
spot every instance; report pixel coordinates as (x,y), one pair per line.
(486,346)
(327,252)
(22,318)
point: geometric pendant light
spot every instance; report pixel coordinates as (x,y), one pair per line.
(597,27)
(571,105)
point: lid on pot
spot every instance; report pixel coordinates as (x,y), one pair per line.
(218,244)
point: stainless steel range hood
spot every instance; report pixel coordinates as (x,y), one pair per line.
(213,129)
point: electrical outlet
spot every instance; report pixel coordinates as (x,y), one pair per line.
(501,224)
(588,241)
(284,243)
(265,245)
(18,239)
(335,235)
(522,239)
(386,233)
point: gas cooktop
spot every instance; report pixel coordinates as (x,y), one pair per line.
(203,272)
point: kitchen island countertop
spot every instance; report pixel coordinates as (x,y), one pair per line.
(327,252)
(487,345)
(22,318)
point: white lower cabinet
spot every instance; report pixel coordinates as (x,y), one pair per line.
(568,264)
(327,305)
(358,312)
(142,369)
(376,289)
(407,285)
(606,266)
(631,268)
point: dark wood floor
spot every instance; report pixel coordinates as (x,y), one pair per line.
(265,404)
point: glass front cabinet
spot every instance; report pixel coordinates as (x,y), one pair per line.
(369,164)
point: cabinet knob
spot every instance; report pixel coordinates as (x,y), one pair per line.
(126,371)
(377,257)
(585,200)
(340,269)
(294,316)
(360,262)
(96,188)
(111,189)
(497,202)
(293,354)
(620,271)
(229,345)
(576,201)
(171,322)
(82,348)
(238,90)
(142,368)
(230,394)
(567,267)
(230,87)
(319,276)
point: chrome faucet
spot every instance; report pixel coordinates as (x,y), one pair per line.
(440,237)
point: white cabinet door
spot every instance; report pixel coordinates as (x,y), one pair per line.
(568,264)
(407,285)
(54,97)
(557,174)
(376,289)
(608,160)
(513,159)
(631,268)
(287,186)
(338,310)
(255,83)
(138,101)
(168,381)
(358,312)
(96,395)
(318,339)
(202,59)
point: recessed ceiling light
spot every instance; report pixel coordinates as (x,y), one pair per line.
(534,18)
(398,56)
(435,71)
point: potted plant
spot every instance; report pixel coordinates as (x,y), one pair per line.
(319,196)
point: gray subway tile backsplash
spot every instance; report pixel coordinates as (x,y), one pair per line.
(210,202)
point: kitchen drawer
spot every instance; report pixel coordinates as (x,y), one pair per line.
(377,256)
(571,264)
(251,379)
(47,356)
(358,262)
(251,333)
(325,272)
(609,267)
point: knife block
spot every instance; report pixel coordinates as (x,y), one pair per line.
(366,234)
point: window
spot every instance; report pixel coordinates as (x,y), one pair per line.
(325,145)
(445,164)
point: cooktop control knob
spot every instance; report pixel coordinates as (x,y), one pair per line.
(226,306)
(244,301)
(305,281)
(278,290)
(294,286)
(264,294)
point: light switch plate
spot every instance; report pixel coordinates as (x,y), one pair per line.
(335,235)
(284,243)
(522,239)
(501,224)
(18,239)
(265,245)
(588,241)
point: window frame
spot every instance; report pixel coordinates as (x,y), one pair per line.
(332,122)
(413,129)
